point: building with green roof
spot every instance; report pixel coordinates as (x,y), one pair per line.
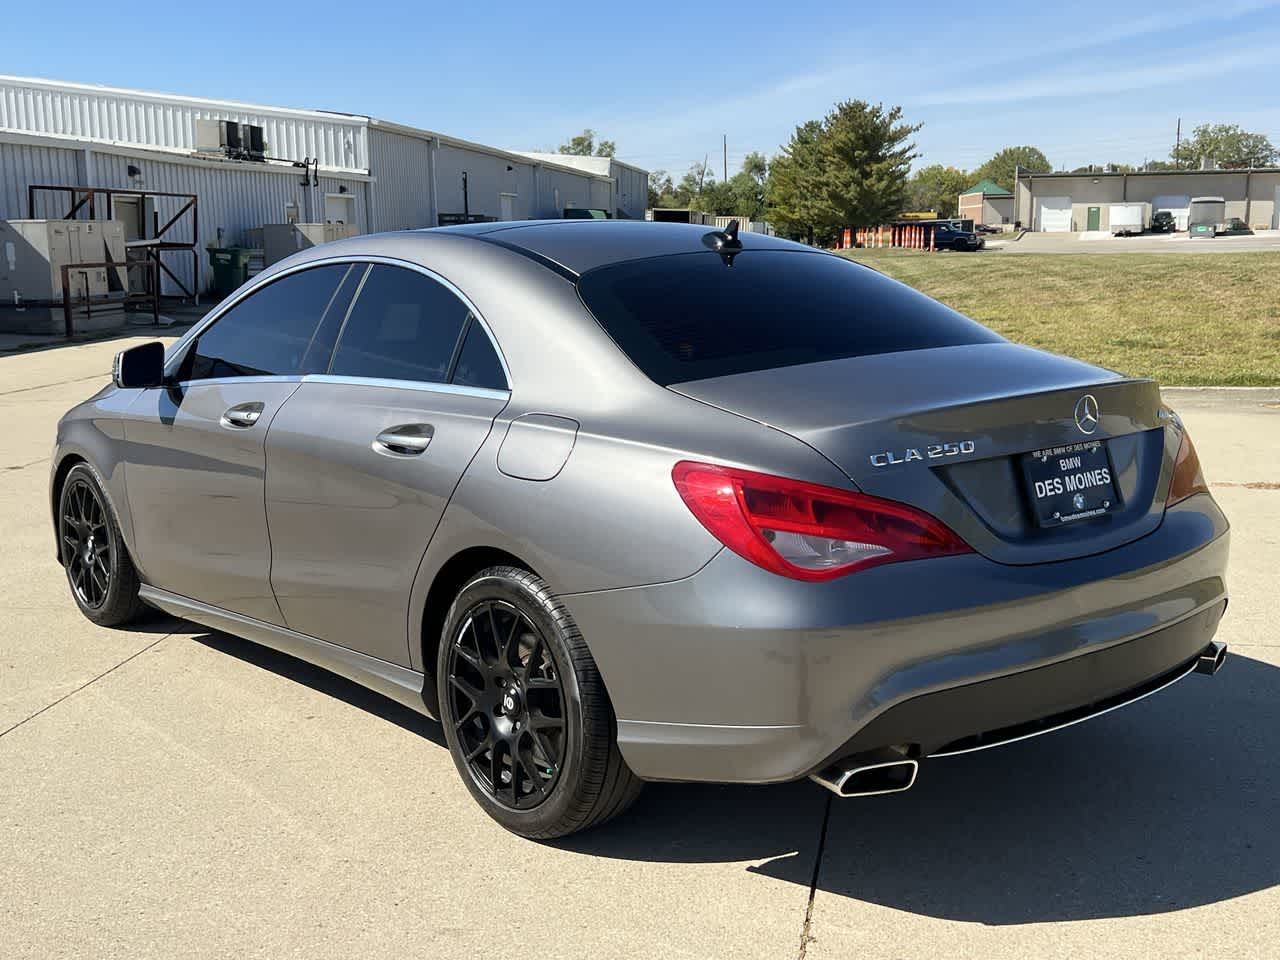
(986,202)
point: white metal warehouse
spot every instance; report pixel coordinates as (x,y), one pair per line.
(310,166)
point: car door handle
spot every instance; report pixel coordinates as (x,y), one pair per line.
(242,415)
(406,440)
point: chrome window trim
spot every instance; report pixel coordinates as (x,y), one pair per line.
(423,386)
(179,346)
(265,378)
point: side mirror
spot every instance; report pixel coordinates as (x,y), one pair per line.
(140,366)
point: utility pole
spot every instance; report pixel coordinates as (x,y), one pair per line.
(726,156)
(1177,145)
(702,174)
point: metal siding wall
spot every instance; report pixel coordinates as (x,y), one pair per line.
(355,188)
(632,192)
(575,191)
(21,166)
(402,191)
(487,177)
(170,123)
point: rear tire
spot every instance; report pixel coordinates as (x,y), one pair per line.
(103,581)
(525,712)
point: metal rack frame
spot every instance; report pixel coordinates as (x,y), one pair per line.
(85,198)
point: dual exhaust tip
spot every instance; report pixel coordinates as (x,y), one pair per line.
(1212,659)
(869,774)
(889,771)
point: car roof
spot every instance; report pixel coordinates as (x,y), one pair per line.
(576,246)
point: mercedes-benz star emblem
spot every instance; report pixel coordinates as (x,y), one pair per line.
(1087,413)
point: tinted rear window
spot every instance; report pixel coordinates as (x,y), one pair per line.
(689,317)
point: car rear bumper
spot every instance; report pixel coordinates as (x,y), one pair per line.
(738,675)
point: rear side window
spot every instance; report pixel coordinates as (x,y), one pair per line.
(272,331)
(689,316)
(478,364)
(404,326)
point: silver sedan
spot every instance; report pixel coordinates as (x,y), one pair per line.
(628,501)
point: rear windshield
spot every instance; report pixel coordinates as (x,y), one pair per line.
(689,316)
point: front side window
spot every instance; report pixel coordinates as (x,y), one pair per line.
(272,331)
(403,326)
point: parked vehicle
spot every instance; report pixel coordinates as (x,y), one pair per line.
(1206,217)
(1129,219)
(1163,221)
(949,237)
(620,501)
(1235,225)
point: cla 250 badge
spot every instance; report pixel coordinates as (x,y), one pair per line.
(934,451)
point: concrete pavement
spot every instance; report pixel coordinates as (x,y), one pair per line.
(171,792)
(1147,243)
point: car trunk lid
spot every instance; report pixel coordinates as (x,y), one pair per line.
(947,430)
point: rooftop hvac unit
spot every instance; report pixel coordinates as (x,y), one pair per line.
(239,141)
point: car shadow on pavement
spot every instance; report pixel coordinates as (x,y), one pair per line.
(1171,803)
(322,681)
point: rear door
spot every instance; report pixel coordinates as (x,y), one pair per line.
(195,450)
(363,459)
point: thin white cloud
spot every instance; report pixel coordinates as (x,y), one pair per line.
(1074,80)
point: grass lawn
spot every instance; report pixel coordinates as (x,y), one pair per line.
(1185,319)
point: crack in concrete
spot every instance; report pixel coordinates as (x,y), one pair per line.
(806,932)
(87,683)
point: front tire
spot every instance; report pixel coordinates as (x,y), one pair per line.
(525,712)
(103,581)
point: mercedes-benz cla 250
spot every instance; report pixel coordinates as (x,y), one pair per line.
(628,501)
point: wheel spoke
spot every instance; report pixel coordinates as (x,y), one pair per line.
(470,657)
(535,781)
(99,579)
(548,755)
(540,721)
(466,687)
(479,749)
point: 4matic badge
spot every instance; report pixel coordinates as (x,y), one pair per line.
(934,451)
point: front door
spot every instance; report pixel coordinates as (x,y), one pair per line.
(1095,218)
(362,462)
(196,465)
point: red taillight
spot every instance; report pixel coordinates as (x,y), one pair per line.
(1187,476)
(804,530)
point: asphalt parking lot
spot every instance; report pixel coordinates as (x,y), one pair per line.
(172,792)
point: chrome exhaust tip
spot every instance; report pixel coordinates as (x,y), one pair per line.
(868,775)
(1212,659)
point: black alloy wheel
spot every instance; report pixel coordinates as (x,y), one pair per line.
(86,543)
(100,572)
(525,712)
(508,703)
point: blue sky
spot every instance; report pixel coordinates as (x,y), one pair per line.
(1103,82)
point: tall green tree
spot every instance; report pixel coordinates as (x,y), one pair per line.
(1228,145)
(849,169)
(661,189)
(937,187)
(792,192)
(1000,168)
(584,145)
(869,152)
(696,180)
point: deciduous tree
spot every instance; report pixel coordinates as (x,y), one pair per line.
(1228,145)
(1000,168)
(937,187)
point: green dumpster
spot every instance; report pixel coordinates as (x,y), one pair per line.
(230,268)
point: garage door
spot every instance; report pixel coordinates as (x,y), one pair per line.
(1179,206)
(1054,214)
